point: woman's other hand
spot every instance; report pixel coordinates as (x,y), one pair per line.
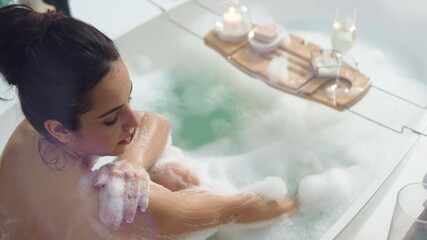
(123,188)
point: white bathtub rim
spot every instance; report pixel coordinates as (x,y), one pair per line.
(374,190)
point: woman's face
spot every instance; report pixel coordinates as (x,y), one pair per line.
(108,128)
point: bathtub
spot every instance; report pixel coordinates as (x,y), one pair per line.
(246,130)
(225,118)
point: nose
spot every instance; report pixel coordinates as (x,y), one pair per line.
(131,119)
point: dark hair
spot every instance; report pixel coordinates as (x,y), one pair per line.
(55,61)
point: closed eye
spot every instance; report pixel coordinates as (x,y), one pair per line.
(111,123)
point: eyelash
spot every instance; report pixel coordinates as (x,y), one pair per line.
(111,123)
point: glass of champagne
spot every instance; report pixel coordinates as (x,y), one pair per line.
(343,37)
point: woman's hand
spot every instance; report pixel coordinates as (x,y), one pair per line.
(261,209)
(123,188)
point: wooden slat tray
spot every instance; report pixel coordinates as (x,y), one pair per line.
(301,80)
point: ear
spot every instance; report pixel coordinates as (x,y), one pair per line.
(58,131)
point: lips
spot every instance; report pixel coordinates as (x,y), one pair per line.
(127,140)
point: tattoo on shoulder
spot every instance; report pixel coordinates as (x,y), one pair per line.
(53,155)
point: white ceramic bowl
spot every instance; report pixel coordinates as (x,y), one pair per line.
(264,47)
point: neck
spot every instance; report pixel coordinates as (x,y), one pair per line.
(89,161)
(57,155)
(85,159)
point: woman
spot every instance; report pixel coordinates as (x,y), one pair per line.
(74,92)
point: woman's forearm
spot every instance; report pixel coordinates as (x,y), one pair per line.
(241,208)
(177,213)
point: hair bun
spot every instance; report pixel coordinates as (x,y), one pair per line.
(20,26)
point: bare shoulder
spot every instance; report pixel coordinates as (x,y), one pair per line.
(24,128)
(31,190)
(20,141)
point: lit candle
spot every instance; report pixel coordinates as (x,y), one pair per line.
(232,22)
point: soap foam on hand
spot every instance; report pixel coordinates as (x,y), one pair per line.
(111,202)
(122,190)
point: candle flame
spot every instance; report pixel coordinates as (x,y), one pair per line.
(232,10)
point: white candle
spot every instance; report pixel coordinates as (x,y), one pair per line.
(232,22)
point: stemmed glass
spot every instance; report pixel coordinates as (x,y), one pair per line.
(343,37)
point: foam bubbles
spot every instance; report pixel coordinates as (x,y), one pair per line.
(111,201)
(278,69)
(86,187)
(253,132)
(270,188)
(328,190)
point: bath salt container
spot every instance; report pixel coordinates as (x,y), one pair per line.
(268,37)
